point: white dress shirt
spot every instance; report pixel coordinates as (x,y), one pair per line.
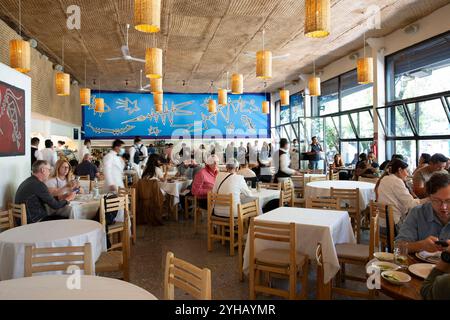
(392,191)
(235,185)
(49,155)
(113,167)
(144,151)
(201,155)
(285,162)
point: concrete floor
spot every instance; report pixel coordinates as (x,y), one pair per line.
(149,253)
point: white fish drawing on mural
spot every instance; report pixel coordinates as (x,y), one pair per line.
(128,105)
(116,132)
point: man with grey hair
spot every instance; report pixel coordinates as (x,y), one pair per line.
(40,204)
(230,182)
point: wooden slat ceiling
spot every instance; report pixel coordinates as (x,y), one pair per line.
(202,39)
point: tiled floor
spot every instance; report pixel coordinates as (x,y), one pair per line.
(149,253)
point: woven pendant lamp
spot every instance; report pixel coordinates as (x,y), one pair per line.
(223,97)
(314,86)
(264,64)
(100,105)
(19,55)
(62,83)
(156,85)
(158,99)
(153,63)
(147,15)
(265,107)
(284,97)
(85,93)
(212,106)
(365,67)
(237,83)
(317,20)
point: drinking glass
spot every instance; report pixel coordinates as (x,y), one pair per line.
(401,253)
(249,184)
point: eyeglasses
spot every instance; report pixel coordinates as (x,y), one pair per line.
(440,203)
(65,167)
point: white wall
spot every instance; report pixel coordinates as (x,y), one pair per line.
(15,169)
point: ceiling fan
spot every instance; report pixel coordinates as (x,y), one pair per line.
(144,89)
(126,53)
(280,57)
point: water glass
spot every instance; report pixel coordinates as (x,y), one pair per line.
(401,253)
(249,184)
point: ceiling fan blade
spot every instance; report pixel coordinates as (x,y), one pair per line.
(114,59)
(281,57)
(125,51)
(136,59)
(146,87)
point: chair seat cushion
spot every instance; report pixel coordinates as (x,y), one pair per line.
(109,261)
(353,251)
(278,257)
(116,225)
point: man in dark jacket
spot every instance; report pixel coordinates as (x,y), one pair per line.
(40,204)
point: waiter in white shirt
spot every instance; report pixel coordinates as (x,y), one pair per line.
(283,170)
(230,182)
(48,154)
(113,166)
(201,154)
(85,149)
(138,154)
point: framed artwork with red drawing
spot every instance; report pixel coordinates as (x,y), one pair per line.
(12,120)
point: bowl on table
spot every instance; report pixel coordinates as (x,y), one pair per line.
(396,277)
(384,256)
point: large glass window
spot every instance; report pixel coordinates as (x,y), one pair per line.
(429,117)
(285,114)
(420,70)
(328,102)
(354,95)
(297,106)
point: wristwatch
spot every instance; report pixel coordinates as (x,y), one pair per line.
(445,256)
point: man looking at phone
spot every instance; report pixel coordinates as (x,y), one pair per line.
(428,224)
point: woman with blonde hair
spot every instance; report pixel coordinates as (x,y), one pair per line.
(61,182)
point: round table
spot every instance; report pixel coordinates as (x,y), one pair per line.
(58,233)
(68,287)
(322,189)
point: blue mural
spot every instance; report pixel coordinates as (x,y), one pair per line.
(133,114)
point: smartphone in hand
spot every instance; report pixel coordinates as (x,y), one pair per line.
(441,243)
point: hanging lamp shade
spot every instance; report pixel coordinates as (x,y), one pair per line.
(317,20)
(365,70)
(62,82)
(158,99)
(264,64)
(19,55)
(265,107)
(314,86)
(223,97)
(99,105)
(85,96)
(284,97)
(237,83)
(156,85)
(147,15)
(212,106)
(153,63)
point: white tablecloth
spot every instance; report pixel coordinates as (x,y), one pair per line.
(55,287)
(58,233)
(175,188)
(85,207)
(312,226)
(264,196)
(322,189)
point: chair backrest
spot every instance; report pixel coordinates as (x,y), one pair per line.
(131,194)
(278,232)
(323,289)
(329,203)
(6,220)
(349,198)
(374,238)
(58,259)
(334,175)
(246,211)
(287,195)
(187,277)
(319,178)
(271,186)
(19,212)
(111,205)
(386,213)
(222,200)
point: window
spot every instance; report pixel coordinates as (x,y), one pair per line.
(285,114)
(420,70)
(347,131)
(435,146)
(363,122)
(429,117)
(328,102)
(297,106)
(354,95)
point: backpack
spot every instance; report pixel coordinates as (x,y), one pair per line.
(138,155)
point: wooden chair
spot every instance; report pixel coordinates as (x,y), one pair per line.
(287,194)
(19,212)
(286,262)
(330,203)
(245,213)
(198,214)
(270,186)
(131,194)
(357,254)
(333,175)
(385,213)
(6,220)
(218,226)
(89,183)
(320,178)
(116,260)
(189,206)
(349,201)
(187,277)
(58,259)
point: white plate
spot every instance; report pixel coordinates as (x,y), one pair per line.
(384,256)
(385,266)
(421,270)
(428,257)
(396,277)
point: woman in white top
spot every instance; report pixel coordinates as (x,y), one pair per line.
(246,172)
(230,183)
(61,183)
(152,170)
(393,191)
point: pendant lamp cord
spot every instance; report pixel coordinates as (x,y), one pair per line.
(364,44)
(20,18)
(314,67)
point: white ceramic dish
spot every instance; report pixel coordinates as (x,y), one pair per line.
(385,266)
(396,277)
(384,256)
(429,257)
(422,270)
